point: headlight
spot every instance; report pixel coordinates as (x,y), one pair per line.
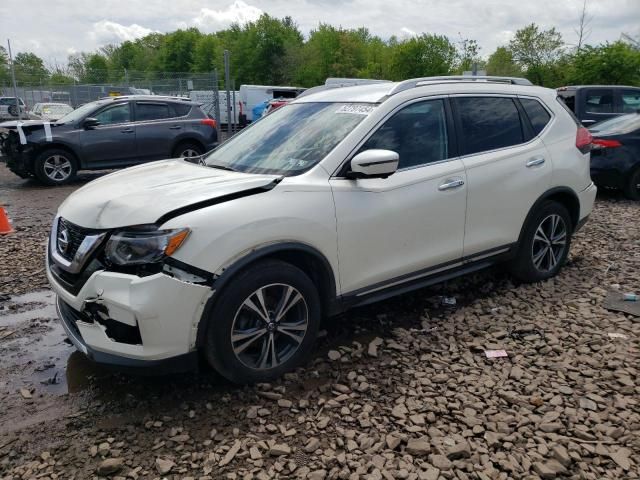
(137,248)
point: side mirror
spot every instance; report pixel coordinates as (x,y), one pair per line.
(90,123)
(373,164)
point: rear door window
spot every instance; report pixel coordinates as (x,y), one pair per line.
(631,101)
(599,101)
(538,115)
(151,111)
(488,123)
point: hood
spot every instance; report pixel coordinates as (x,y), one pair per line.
(147,193)
(26,124)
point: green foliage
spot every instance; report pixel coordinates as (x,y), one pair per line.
(610,63)
(501,62)
(29,69)
(273,51)
(5,74)
(422,56)
(95,69)
(536,51)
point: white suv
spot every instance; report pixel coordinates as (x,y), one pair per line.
(340,198)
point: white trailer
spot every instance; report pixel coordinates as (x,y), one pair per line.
(252,95)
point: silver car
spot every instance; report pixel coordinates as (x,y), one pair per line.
(50,111)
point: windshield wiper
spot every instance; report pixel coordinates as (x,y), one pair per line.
(221,167)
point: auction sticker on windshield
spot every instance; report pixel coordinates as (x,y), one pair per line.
(357,109)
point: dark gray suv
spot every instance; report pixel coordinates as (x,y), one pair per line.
(109,133)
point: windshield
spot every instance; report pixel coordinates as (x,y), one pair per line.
(56,108)
(80,112)
(621,124)
(290,140)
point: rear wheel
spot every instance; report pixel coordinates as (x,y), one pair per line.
(55,167)
(187,150)
(545,244)
(264,324)
(632,189)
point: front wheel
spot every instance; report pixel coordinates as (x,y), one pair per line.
(264,324)
(55,167)
(545,244)
(632,189)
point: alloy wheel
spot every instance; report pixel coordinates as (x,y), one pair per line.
(57,167)
(549,243)
(269,326)
(188,153)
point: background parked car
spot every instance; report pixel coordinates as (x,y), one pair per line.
(50,111)
(596,103)
(615,154)
(109,133)
(8,109)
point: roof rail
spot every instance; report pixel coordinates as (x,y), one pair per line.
(416,82)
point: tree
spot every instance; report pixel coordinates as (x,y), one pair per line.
(5,74)
(536,51)
(30,69)
(96,69)
(468,55)
(422,56)
(177,50)
(584,27)
(501,63)
(207,55)
(616,63)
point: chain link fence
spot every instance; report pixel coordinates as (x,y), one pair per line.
(205,88)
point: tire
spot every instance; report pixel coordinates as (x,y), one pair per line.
(55,166)
(632,188)
(13,111)
(537,259)
(243,360)
(187,150)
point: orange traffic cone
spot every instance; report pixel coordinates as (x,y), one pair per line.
(5,225)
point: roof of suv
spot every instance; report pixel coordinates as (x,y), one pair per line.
(164,98)
(378,92)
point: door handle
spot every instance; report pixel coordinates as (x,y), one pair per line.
(451,183)
(127,130)
(175,127)
(535,161)
(588,122)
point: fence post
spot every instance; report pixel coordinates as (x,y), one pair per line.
(13,76)
(226,86)
(216,99)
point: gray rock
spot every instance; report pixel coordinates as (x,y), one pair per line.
(164,466)
(549,470)
(418,446)
(110,466)
(459,450)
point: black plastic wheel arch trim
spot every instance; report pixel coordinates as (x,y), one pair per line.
(334,306)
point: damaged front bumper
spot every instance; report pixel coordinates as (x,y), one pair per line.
(130,321)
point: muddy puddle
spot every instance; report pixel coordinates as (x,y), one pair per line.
(36,354)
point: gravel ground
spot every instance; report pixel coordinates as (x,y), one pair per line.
(397,390)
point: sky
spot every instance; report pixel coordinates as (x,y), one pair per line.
(55,29)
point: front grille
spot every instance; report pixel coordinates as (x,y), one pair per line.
(74,236)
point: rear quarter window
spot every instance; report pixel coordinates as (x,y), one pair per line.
(538,115)
(181,109)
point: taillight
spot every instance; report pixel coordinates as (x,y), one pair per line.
(583,140)
(602,143)
(208,121)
